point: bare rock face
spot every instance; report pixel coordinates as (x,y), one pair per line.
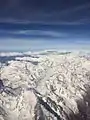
(56,88)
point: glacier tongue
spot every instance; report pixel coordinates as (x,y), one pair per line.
(56,88)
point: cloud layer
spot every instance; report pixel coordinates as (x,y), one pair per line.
(25,40)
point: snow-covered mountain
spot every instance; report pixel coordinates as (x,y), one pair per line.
(46,86)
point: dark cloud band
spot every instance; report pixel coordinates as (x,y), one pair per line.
(45,10)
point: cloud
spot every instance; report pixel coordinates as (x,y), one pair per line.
(52,32)
(13,44)
(48,34)
(43,33)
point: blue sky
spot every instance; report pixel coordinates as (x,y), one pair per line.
(36,36)
(44,24)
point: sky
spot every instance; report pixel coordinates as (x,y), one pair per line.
(44,24)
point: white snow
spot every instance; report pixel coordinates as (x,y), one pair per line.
(55,76)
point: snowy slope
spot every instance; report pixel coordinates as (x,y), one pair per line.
(57,82)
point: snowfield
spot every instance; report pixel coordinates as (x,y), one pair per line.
(46,86)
